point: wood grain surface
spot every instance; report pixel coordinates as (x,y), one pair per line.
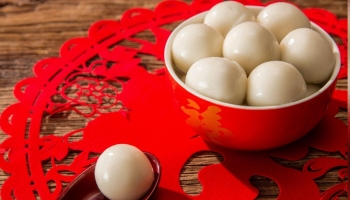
(31,30)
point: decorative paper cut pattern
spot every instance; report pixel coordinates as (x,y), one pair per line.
(95,76)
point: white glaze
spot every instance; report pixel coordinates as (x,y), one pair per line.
(250,44)
(311,89)
(218,78)
(310,53)
(275,83)
(194,42)
(123,172)
(282,18)
(225,15)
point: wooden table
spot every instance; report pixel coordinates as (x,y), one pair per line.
(31,30)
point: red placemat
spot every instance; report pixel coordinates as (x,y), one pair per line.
(87,79)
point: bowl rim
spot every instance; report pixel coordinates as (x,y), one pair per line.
(255,10)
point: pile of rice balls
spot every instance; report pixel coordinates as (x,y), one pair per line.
(237,58)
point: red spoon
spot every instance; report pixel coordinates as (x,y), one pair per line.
(84,186)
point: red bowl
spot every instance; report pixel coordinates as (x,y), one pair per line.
(246,127)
